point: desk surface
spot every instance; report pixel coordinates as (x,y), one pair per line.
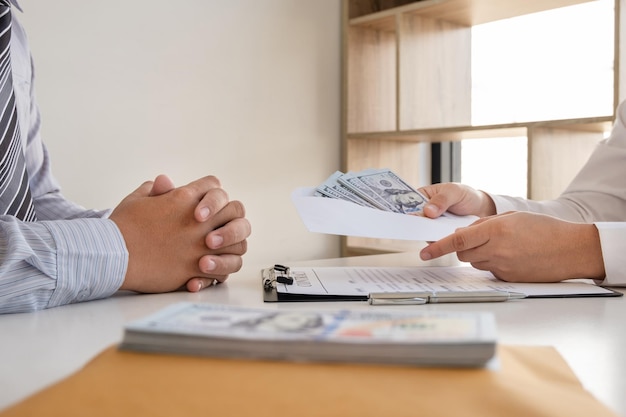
(39,349)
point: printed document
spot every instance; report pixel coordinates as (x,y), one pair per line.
(361,281)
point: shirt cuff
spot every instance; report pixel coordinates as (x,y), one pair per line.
(91,259)
(613,241)
(505,203)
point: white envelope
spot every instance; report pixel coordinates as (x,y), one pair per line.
(339,217)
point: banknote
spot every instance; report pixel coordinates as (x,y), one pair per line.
(380,188)
(394,190)
(352,181)
(333,189)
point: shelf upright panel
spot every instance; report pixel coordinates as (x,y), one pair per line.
(371,77)
(556,154)
(435,79)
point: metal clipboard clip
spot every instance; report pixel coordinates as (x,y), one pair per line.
(277,274)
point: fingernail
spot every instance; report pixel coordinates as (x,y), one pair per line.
(425,256)
(211,265)
(199,286)
(216,241)
(204,213)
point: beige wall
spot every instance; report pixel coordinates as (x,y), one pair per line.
(244,89)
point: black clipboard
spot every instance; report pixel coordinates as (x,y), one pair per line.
(283,275)
(277,273)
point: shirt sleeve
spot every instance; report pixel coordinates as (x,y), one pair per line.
(50,263)
(596,195)
(70,254)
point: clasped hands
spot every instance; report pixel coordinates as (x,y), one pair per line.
(190,236)
(514,246)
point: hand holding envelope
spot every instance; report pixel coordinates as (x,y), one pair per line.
(341,217)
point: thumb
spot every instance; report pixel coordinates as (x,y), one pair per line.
(436,206)
(141,192)
(144,190)
(161,185)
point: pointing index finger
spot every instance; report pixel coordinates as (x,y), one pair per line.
(461,240)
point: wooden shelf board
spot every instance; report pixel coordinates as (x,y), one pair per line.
(592,124)
(386,23)
(464,12)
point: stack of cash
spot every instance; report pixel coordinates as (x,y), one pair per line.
(377,188)
(433,338)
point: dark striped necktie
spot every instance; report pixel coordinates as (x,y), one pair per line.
(15,197)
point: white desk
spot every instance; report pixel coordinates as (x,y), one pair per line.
(38,349)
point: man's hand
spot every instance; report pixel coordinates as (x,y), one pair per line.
(190,235)
(525,247)
(457,199)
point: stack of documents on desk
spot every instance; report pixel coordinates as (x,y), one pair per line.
(358,282)
(416,338)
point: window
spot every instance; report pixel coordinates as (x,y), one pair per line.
(544,66)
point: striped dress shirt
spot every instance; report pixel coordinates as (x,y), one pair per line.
(71,254)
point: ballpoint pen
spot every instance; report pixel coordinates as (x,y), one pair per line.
(433,297)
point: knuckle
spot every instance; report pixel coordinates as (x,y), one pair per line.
(222,192)
(246,228)
(238,208)
(213,180)
(237,266)
(242,233)
(459,242)
(184,193)
(462,256)
(216,198)
(242,247)
(499,274)
(230,264)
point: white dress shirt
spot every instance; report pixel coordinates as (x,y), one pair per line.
(596,195)
(70,254)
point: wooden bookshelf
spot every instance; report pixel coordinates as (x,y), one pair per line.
(407,82)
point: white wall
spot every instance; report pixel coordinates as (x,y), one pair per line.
(244,89)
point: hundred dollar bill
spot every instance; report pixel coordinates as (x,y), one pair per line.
(352,181)
(332,188)
(393,190)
